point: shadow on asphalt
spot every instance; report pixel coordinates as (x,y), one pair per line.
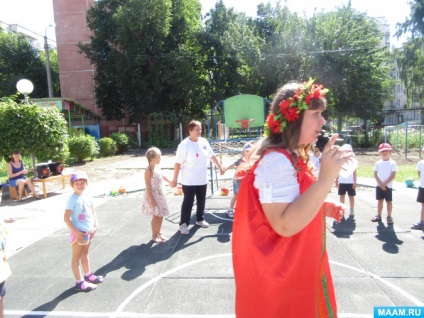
(388,235)
(51,305)
(345,228)
(152,253)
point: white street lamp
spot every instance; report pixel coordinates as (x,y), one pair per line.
(25,87)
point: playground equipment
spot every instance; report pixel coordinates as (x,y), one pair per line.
(241,116)
(229,125)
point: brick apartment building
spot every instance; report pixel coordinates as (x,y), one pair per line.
(75,71)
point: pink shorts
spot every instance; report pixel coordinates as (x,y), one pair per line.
(74,238)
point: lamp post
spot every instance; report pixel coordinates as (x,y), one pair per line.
(48,69)
(25,87)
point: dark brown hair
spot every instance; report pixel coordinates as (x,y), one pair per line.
(289,138)
(15,152)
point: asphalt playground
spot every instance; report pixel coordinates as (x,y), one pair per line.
(373,264)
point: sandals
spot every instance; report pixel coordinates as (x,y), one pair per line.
(159,239)
(377,218)
(156,240)
(85,286)
(163,238)
(93,278)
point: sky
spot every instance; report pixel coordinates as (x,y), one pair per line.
(37,15)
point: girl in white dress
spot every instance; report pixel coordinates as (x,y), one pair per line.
(154,202)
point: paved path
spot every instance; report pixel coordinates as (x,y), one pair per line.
(373,264)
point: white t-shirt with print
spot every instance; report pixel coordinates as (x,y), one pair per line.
(194,158)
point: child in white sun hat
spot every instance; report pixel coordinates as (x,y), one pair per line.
(81,219)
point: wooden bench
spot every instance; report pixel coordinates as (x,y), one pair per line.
(61,177)
(13,193)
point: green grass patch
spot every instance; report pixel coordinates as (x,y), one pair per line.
(404,172)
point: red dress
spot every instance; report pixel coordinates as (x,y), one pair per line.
(279,276)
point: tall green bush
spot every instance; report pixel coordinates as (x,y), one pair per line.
(83,147)
(122,141)
(33,130)
(107,147)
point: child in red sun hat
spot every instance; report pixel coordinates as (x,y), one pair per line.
(384,173)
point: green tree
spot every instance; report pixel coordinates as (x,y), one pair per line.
(32,129)
(410,57)
(283,54)
(145,56)
(221,63)
(19,59)
(232,50)
(414,25)
(348,58)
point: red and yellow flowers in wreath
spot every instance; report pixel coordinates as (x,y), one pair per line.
(291,108)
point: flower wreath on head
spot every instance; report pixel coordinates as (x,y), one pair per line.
(291,107)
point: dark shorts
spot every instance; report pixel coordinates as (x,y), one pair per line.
(3,289)
(347,187)
(383,195)
(420,196)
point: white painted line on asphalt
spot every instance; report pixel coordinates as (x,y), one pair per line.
(119,313)
(393,286)
(71,314)
(135,315)
(154,280)
(219,217)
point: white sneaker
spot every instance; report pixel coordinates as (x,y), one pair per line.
(202,223)
(184,229)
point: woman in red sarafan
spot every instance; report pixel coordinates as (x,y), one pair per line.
(280,261)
